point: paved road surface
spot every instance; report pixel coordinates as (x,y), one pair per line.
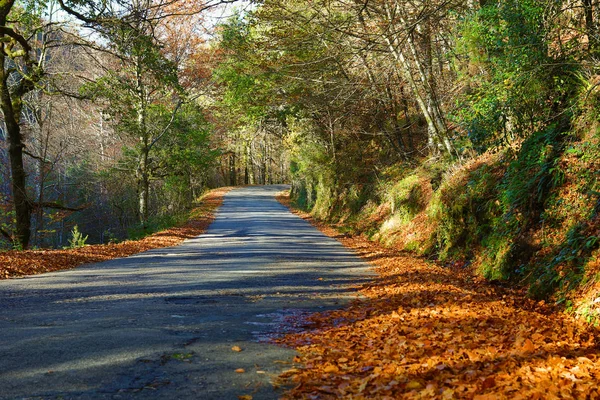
(161,324)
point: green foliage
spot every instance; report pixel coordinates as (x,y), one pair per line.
(539,156)
(564,269)
(520,204)
(508,247)
(27,14)
(110,237)
(465,209)
(156,223)
(77,239)
(248,89)
(589,310)
(515,96)
(491,206)
(7,221)
(406,198)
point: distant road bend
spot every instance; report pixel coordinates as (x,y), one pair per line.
(161,324)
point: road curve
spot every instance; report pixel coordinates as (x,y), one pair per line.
(161,324)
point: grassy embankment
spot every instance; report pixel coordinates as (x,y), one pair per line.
(521,216)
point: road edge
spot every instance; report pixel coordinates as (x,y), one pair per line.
(18,264)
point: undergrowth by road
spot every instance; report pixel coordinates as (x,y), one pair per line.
(426,331)
(32,262)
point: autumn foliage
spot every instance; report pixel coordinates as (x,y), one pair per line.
(31,262)
(426,331)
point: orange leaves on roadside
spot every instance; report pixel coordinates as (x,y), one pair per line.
(32,262)
(424,331)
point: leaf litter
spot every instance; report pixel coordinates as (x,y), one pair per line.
(32,262)
(432,332)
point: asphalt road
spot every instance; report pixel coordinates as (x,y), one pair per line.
(161,324)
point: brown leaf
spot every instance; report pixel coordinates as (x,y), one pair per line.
(289,372)
(528,346)
(416,324)
(488,383)
(236,348)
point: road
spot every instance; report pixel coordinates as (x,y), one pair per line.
(161,324)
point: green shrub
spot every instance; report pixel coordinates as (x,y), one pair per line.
(156,224)
(77,239)
(523,195)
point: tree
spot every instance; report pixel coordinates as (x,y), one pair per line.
(23,54)
(139,88)
(151,49)
(26,34)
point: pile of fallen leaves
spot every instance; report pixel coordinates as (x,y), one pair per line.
(427,331)
(31,262)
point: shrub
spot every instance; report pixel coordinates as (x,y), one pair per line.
(77,239)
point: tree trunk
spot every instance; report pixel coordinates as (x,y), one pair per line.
(590,25)
(143,188)
(12,113)
(18,176)
(22,205)
(388,103)
(232,172)
(246,162)
(424,94)
(429,90)
(38,238)
(143,178)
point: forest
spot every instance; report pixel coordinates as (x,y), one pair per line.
(111,120)
(463,131)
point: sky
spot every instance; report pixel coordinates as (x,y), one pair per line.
(213,17)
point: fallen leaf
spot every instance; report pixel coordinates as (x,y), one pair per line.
(240,370)
(528,346)
(236,348)
(330,368)
(289,372)
(414,385)
(488,383)
(31,262)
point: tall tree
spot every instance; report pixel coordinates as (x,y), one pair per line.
(23,51)
(139,87)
